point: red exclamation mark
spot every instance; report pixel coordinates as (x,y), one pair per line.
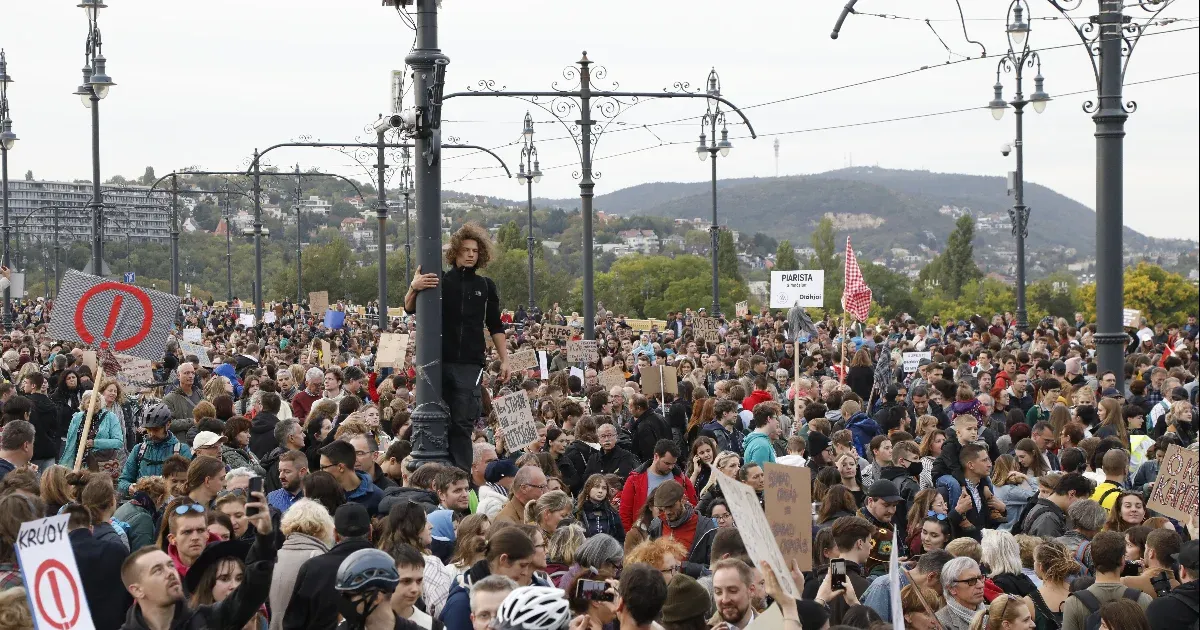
(113,314)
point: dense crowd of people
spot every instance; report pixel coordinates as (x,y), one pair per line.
(270,481)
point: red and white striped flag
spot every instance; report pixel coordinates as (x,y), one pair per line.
(856,298)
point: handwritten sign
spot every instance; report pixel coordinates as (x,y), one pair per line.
(52,581)
(516,420)
(741,309)
(193,335)
(544,364)
(912,360)
(523,360)
(318,301)
(550,331)
(197,350)
(1131,317)
(392,349)
(246,319)
(612,377)
(660,379)
(582,350)
(803,288)
(1175,490)
(788,501)
(708,329)
(756,530)
(135,372)
(326,354)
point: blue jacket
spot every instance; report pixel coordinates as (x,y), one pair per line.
(456,613)
(227,370)
(758,448)
(366,494)
(108,435)
(863,428)
(146,459)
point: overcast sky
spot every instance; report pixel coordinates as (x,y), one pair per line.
(204,83)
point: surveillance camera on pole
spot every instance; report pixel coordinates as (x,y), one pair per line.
(1005,149)
(405,120)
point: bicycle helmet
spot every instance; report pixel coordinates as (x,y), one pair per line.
(534,608)
(367,570)
(157,415)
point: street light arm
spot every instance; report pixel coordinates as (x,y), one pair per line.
(367,145)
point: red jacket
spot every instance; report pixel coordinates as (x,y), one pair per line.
(633,494)
(755,397)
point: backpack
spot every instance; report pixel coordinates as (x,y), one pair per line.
(1092,621)
(1031,514)
(1026,510)
(1083,557)
(141,453)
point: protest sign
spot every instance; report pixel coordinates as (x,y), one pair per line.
(516,420)
(326,354)
(1131,317)
(246,319)
(192,335)
(392,348)
(912,360)
(612,377)
(91,361)
(1139,446)
(269,317)
(769,619)
(110,315)
(707,328)
(756,533)
(523,360)
(135,372)
(198,350)
(550,331)
(741,309)
(544,364)
(335,320)
(788,501)
(582,351)
(798,288)
(658,379)
(574,371)
(1175,490)
(53,585)
(318,301)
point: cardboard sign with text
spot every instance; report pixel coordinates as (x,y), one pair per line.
(658,379)
(612,377)
(523,360)
(1175,490)
(392,349)
(198,350)
(707,328)
(756,533)
(326,354)
(741,309)
(135,372)
(1131,317)
(318,301)
(912,360)
(516,420)
(193,335)
(582,350)
(788,500)
(550,331)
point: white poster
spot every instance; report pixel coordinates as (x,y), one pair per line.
(912,360)
(52,582)
(803,287)
(544,364)
(246,319)
(516,420)
(192,335)
(1131,317)
(755,529)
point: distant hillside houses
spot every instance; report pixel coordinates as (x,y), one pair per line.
(356,231)
(641,241)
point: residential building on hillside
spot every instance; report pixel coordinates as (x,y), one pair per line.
(316,205)
(358,233)
(644,241)
(129,213)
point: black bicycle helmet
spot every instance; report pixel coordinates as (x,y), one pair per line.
(367,570)
(157,415)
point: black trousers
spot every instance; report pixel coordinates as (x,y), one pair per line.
(461,391)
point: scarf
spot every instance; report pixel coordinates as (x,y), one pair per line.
(498,488)
(960,613)
(683,517)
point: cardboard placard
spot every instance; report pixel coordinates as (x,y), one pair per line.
(193,335)
(392,348)
(912,360)
(612,377)
(805,287)
(318,301)
(326,354)
(200,351)
(1131,317)
(707,328)
(741,309)
(134,371)
(788,501)
(551,331)
(523,360)
(53,585)
(582,351)
(269,317)
(1175,490)
(755,530)
(657,377)
(516,420)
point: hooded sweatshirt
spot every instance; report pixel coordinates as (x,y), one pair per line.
(759,448)
(366,494)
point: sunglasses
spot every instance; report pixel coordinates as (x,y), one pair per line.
(970,581)
(189,507)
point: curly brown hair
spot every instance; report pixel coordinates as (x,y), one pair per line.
(470,232)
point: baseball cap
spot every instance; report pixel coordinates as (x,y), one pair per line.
(1189,556)
(1059,367)
(206,438)
(351,519)
(1110,392)
(498,470)
(667,493)
(886,490)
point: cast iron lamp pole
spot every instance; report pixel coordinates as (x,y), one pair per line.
(529,171)
(708,123)
(95,86)
(1018,58)
(8,139)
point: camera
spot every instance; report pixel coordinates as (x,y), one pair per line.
(390,121)
(1005,149)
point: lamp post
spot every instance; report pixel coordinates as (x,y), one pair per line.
(1109,38)
(95,86)
(7,140)
(299,233)
(709,145)
(528,172)
(1018,58)
(227,213)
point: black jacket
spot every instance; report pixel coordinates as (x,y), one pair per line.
(1177,609)
(262,434)
(618,462)
(45,420)
(648,429)
(313,602)
(578,453)
(401,494)
(469,302)
(601,518)
(235,610)
(100,569)
(838,605)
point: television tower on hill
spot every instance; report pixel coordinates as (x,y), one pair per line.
(776,157)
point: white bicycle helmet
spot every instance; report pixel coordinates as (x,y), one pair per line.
(534,608)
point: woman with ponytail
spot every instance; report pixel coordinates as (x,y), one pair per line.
(1006,612)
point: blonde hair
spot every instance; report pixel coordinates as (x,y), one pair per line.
(309,518)
(1001,552)
(564,543)
(1005,607)
(103,385)
(1004,465)
(549,502)
(1056,561)
(965,547)
(14,609)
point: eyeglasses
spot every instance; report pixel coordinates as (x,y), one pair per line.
(327,467)
(972,581)
(189,507)
(237,492)
(541,487)
(939,516)
(669,572)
